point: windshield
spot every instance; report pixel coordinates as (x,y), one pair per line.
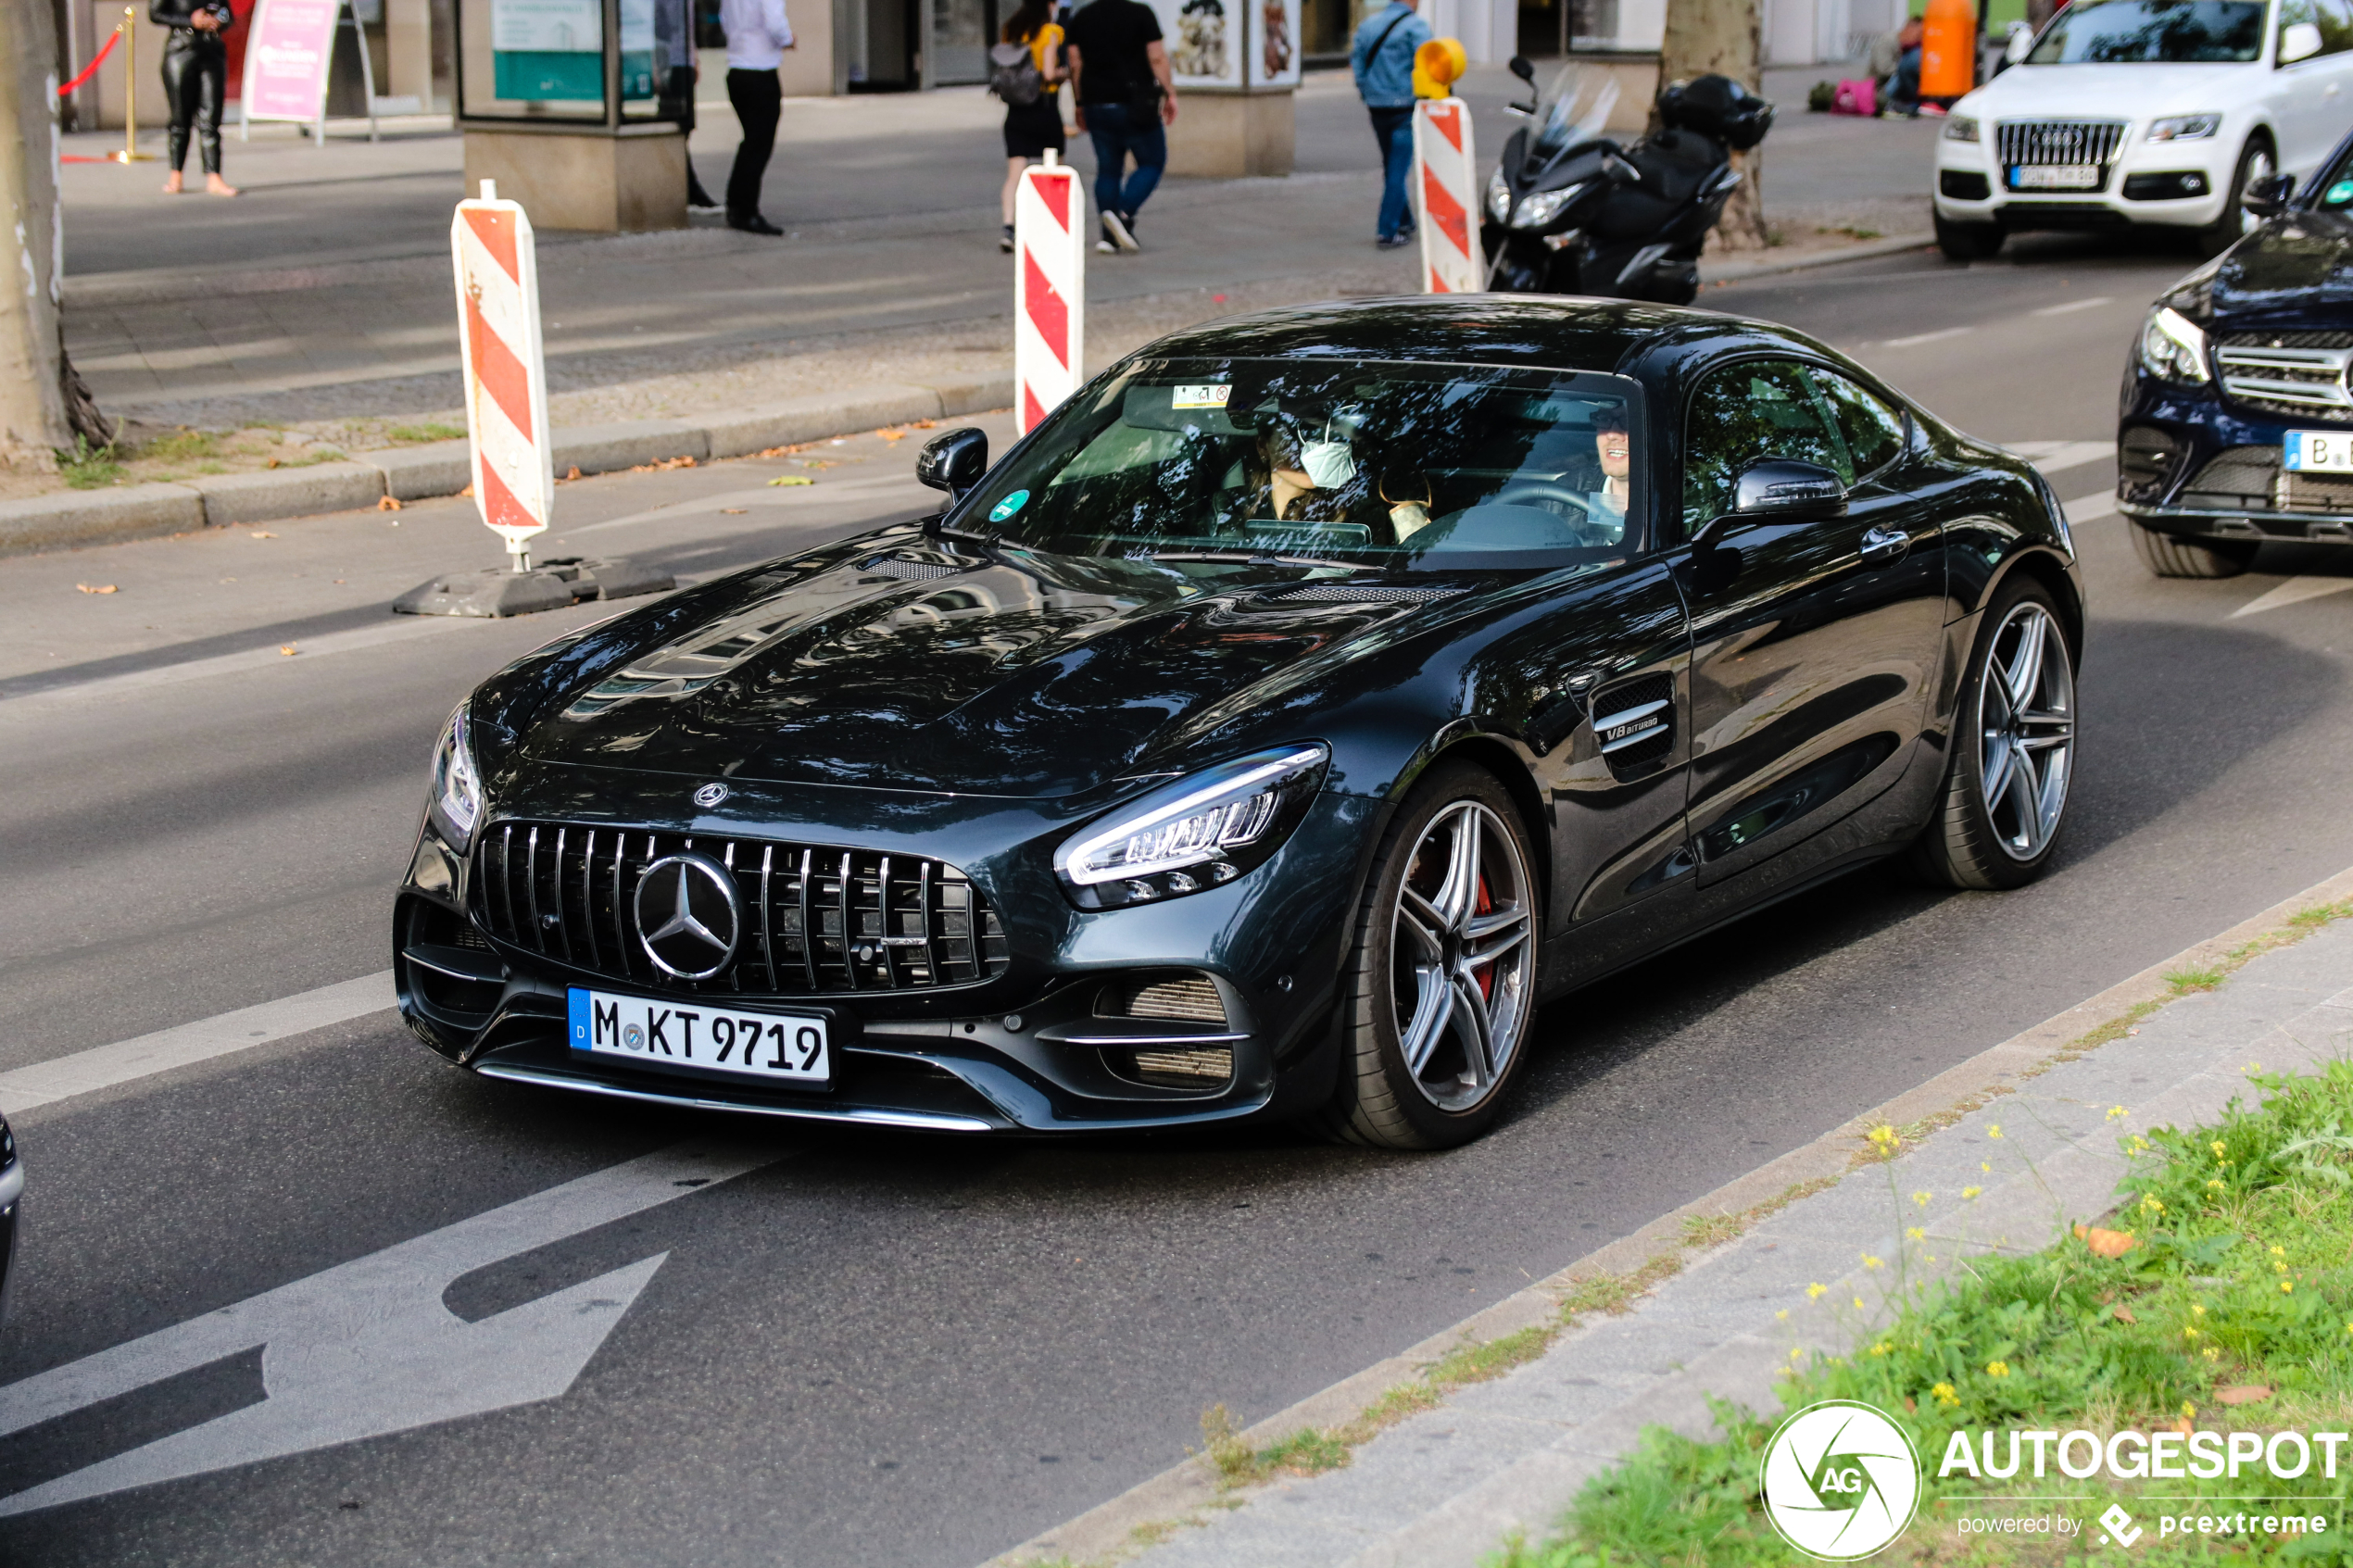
(1576,108)
(1363,464)
(2151,32)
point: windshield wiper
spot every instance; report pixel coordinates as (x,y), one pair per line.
(1239,558)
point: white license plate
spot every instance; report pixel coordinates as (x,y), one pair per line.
(787,1047)
(2055,177)
(2319,451)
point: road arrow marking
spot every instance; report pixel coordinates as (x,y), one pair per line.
(2296,590)
(367,1348)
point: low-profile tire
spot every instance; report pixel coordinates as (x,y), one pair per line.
(2012,754)
(2255,163)
(1968,242)
(1439,987)
(2167,555)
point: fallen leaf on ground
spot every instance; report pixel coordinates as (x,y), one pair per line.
(388,504)
(467,494)
(95,587)
(574,473)
(2242,1394)
(2105,1244)
(892,434)
(2124,1314)
(926,424)
(263,533)
(731,511)
(2180,1426)
(792,479)
(273,463)
(286,648)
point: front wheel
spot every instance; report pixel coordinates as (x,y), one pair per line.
(1968,242)
(2255,164)
(2012,755)
(2167,554)
(1441,985)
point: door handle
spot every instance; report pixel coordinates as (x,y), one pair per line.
(1885,547)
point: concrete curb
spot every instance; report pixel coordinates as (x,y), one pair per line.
(77,518)
(1733,271)
(1108,1531)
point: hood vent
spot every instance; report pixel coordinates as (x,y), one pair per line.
(1370,593)
(911,571)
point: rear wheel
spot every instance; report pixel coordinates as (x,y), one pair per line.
(2255,164)
(2167,556)
(1967,241)
(1441,985)
(2013,751)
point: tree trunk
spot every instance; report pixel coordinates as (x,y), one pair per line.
(1722,37)
(33,422)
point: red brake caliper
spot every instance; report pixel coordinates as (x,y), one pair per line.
(1486,905)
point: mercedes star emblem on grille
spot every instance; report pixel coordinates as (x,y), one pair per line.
(689,916)
(711,795)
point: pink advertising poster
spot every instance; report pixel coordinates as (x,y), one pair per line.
(286,58)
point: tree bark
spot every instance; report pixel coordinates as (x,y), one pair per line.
(1722,37)
(33,422)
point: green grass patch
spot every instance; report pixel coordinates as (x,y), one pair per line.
(2184,981)
(410,435)
(2239,1278)
(182,447)
(89,467)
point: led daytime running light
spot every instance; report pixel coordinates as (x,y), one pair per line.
(2172,347)
(457,789)
(1225,812)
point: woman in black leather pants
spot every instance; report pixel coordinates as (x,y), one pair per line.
(195,80)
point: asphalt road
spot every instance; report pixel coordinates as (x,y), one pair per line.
(870,1348)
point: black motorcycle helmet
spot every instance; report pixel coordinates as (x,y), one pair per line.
(1718,106)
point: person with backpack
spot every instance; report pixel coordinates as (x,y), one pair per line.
(1383,58)
(1025,70)
(1119,74)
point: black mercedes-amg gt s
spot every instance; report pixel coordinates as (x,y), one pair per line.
(1267,734)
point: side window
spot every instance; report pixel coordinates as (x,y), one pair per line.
(2335,18)
(1745,414)
(1874,431)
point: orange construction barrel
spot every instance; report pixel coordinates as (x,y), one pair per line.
(1948,48)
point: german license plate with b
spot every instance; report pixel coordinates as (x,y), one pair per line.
(704,1035)
(2318,451)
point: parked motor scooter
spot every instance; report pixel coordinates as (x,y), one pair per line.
(1570,212)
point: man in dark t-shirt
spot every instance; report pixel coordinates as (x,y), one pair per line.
(1119,75)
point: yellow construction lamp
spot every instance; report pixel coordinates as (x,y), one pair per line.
(1437,65)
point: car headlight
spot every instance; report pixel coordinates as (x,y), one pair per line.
(1960,128)
(1537,210)
(2185,128)
(1200,832)
(1499,197)
(455,805)
(2173,347)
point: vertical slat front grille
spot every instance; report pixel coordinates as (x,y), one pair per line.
(816,921)
(2045,143)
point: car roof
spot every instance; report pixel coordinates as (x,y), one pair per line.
(1549,332)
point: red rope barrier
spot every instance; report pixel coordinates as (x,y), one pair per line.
(92,69)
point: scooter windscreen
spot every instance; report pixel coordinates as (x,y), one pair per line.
(1578,108)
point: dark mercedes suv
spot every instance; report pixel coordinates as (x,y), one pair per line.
(2237,422)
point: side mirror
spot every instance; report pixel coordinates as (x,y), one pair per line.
(2270,195)
(954,460)
(1521,68)
(1776,490)
(2298,41)
(2022,44)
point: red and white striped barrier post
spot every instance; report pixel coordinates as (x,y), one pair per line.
(505,368)
(1050,290)
(1443,189)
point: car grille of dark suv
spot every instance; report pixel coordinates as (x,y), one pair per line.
(816,919)
(2249,479)
(2286,372)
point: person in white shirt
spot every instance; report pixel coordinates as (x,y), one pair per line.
(758,36)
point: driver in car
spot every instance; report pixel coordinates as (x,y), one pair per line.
(1607,506)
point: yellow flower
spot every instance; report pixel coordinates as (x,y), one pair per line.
(1997,1369)
(2114,1112)
(1884,1138)
(1986,1166)
(2198,1309)
(1944,1395)
(1872,1262)
(2220,1147)
(1881,1349)
(1783,1316)
(2279,1267)
(2287,1288)
(1815,1292)
(2348,1326)
(2216,1187)
(1858,1304)
(1915,1233)
(1921,1198)
(2188,1410)
(2278,1251)
(2213,1354)
(2189,1334)
(1794,1355)
(2150,1203)
(1972,1192)
(1994,1131)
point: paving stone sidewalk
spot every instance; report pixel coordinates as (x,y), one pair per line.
(1444,1489)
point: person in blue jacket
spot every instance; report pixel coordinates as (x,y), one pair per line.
(1382,58)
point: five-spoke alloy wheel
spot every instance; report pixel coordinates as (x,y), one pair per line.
(2013,753)
(1443,978)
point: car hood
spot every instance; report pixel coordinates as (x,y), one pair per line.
(2294,272)
(2136,93)
(918,668)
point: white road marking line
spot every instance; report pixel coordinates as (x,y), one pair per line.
(1918,338)
(2089,508)
(2073,455)
(103,1067)
(367,1348)
(2296,590)
(2074,305)
(396,629)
